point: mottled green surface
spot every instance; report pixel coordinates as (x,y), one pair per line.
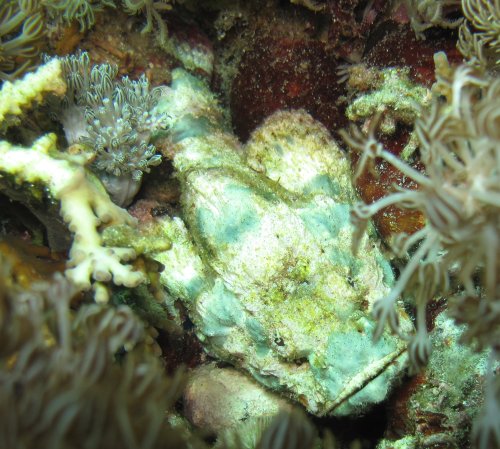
(262,260)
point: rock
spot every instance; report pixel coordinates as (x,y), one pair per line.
(217,399)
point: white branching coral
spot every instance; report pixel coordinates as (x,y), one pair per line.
(18,95)
(84,204)
(459,195)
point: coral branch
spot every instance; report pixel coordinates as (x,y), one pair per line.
(85,206)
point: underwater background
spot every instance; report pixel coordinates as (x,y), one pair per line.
(264,224)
